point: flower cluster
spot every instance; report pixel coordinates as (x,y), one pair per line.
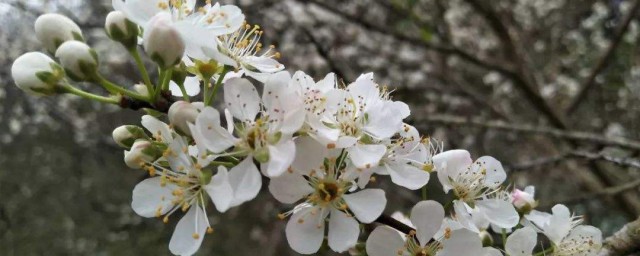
(319,143)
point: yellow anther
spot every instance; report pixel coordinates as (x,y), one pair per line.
(165,219)
(209,230)
(300,220)
(195,236)
(281,216)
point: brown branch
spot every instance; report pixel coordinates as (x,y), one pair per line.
(418,42)
(521,76)
(389,221)
(604,59)
(575,136)
(624,241)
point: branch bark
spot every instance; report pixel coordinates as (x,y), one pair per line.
(623,242)
(604,60)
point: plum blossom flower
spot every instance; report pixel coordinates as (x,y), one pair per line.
(243,50)
(566,233)
(408,160)
(196,27)
(181,179)
(476,185)
(267,138)
(327,194)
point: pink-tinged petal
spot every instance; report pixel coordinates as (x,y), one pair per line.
(288,188)
(427,216)
(245,180)
(149,196)
(305,230)
(220,190)
(366,204)
(385,241)
(189,233)
(343,231)
(281,156)
(521,242)
(242,99)
(366,156)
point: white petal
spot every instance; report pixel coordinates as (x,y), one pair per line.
(183,241)
(449,163)
(313,156)
(495,173)
(463,216)
(365,92)
(427,216)
(499,212)
(305,231)
(407,175)
(540,219)
(242,99)
(220,190)
(559,224)
(245,180)
(209,134)
(385,241)
(586,239)
(149,196)
(288,188)
(490,251)
(281,156)
(366,204)
(521,242)
(157,128)
(343,231)
(385,119)
(461,242)
(366,156)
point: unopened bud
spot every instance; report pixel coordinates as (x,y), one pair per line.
(523,200)
(181,113)
(126,135)
(142,152)
(78,60)
(121,29)
(141,89)
(54,29)
(162,41)
(36,73)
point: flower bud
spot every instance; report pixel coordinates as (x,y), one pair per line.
(121,29)
(79,60)
(523,200)
(54,29)
(36,73)
(486,238)
(141,89)
(181,113)
(126,135)
(162,41)
(142,151)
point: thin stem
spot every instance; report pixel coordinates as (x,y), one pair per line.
(70,89)
(424,193)
(184,92)
(114,88)
(217,86)
(143,70)
(167,79)
(504,237)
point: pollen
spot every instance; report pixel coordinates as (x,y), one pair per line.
(195,236)
(165,219)
(209,230)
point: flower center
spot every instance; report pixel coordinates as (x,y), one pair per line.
(328,191)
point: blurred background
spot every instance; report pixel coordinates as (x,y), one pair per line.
(549,87)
